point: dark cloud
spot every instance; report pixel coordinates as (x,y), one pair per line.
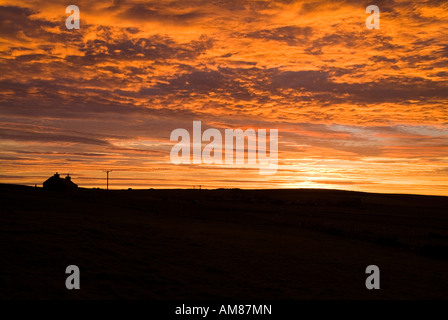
(17,24)
(310,80)
(151,12)
(156,47)
(9,134)
(292,35)
(383,59)
(388,89)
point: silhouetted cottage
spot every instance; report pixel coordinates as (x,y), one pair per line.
(56,183)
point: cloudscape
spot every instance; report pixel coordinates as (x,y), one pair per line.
(355,108)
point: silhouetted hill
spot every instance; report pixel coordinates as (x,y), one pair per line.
(226,243)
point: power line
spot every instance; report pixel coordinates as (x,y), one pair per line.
(107,172)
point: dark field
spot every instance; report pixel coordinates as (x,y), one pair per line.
(221,244)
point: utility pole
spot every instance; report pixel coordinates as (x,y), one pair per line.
(107,172)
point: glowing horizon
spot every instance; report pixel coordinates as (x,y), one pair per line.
(356,109)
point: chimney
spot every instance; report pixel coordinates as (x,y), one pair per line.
(56,175)
(68,178)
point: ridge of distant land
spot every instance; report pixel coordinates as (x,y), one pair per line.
(286,190)
(222,244)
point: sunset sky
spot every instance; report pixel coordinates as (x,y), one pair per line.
(355,109)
